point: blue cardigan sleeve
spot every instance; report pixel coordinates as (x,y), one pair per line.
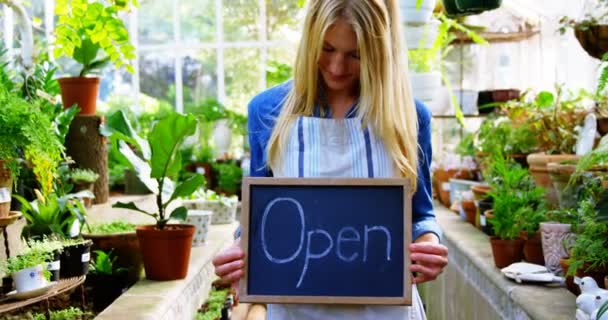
(422,203)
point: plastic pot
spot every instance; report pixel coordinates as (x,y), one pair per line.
(75,260)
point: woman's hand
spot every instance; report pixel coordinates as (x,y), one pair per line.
(229,264)
(429,257)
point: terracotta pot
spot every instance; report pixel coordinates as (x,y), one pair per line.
(470,211)
(166,253)
(570,285)
(441,178)
(553,236)
(506,252)
(533,248)
(80,91)
(538,169)
(594,39)
(6,185)
(480,191)
(125,248)
(599,275)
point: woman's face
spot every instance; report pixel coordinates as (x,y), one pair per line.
(339,61)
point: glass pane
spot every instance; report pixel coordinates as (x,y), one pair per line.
(155,21)
(199,78)
(279,66)
(157,75)
(197,20)
(283,19)
(243,70)
(241,20)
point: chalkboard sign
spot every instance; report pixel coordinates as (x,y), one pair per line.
(338,241)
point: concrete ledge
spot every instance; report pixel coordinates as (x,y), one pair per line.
(473,288)
(171,300)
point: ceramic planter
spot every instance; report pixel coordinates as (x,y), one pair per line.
(416,16)
(223,212)
(6,183)
(201,219)
(80,91)
(125,247)
(506,252)
(29,279)
(75,260)
(553,236)
(166,252)
(540,172)
(594,40)
(421,36)
(458,186)
(441,178)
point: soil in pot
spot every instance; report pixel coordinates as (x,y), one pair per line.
(533,248)
(166,253)
(75,260)
(506,252)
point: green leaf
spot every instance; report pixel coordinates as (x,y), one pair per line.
(118,126)
(165,139)
(86,52)
(602,310)
(180,214)
(133,206)
(545,99)
(187,187)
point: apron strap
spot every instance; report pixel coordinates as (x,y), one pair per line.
(368,152)
(300,147)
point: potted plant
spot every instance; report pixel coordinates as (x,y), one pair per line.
(93,35)
(223,207)
(84,179)
(591,31)
(28,270)
(516,201)
(26,136)
(120,237)
(53,247)
(455,8)
(165,247)
(107,279)
(75,257)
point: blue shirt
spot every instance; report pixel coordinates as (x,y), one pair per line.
(263,111)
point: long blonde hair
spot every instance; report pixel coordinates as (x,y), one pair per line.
(385,98)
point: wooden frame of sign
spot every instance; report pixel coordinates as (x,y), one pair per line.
(404,299)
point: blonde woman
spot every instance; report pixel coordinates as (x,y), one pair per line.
(350,91)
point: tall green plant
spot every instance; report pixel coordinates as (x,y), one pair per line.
(163,166)
(518,203)
(85,28)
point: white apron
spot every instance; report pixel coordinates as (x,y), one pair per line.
(319,147)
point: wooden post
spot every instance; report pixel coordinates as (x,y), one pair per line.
(88,149)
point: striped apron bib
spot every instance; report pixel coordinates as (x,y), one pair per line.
(320,147)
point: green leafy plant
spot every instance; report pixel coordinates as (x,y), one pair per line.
(590,249)
(45,245)
(52,215)
(214,305)
(71,313)
(158,168)
(277,73)
(518,203)
(466,145)
(502,133)
(29,258)
(592,18)
(83,176)
(103,264)
(229,176)
(111,227)
(25,131)
(85,28)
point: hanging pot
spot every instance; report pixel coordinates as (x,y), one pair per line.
(593,39)
(80,91)
(455,8)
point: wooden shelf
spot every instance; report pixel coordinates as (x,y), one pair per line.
(495,37)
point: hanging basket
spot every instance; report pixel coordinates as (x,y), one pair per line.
(594,39)
(456,8)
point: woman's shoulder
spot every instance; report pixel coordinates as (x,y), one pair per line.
(269,101)
(424,114)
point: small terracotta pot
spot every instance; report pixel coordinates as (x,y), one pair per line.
(80,91)
(533,248)
(470,211)
(480,191)
(166,252)
(506,252)
(570,285)
(540,172)
(599,275)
